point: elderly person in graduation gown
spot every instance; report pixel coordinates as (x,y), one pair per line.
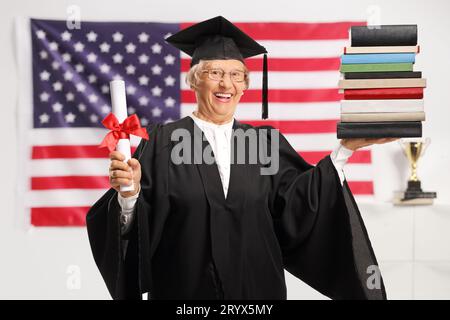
(223,230)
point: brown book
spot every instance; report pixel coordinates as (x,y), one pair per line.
(382,83)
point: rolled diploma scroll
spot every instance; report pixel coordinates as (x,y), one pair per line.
(119,108)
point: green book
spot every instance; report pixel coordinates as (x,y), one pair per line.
(376,67)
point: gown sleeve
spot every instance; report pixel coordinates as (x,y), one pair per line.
(118,267)
(320,230)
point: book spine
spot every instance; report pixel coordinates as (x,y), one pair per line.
(386,106)
(376,67)
(392,49)
(383,75)
(379,94)
(379,129)
(383,35)
(378,58)
(383,117)
(381,83)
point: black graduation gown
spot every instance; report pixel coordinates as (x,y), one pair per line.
(190,242)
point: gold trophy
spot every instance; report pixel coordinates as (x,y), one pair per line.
(413,150)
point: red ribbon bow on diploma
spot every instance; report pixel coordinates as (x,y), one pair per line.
(130,125)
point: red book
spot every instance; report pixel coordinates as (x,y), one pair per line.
(384,93)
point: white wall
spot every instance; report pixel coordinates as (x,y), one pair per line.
(412,244)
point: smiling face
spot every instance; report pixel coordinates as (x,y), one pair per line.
(217,99)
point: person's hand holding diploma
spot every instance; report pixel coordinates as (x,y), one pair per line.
(124,173)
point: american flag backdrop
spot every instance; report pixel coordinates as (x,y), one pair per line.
(65,170)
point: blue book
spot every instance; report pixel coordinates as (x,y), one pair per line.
(378,58)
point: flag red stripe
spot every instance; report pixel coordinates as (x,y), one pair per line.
(69,182)
(298,126)
(70,152)
(361,156)
(59,216)
(279,95)
(284,64)
(313,157)
(294,31)
(361,187)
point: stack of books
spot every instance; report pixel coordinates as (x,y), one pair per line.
(383,96)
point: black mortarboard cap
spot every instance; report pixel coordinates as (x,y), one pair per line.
(218,38)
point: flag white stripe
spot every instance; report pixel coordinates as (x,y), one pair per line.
(312,141)
(63,198)
(289,80)
(73,167)
(71,136)
(315,141)
(358,172)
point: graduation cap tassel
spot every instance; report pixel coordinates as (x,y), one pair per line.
(265,98)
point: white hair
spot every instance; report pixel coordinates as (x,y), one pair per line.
(193,75)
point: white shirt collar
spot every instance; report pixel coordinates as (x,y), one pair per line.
(205,124)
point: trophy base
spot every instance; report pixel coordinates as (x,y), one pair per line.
(414,191)
(414,186)
(400,199)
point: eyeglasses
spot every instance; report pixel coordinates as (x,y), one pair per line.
(218,74)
